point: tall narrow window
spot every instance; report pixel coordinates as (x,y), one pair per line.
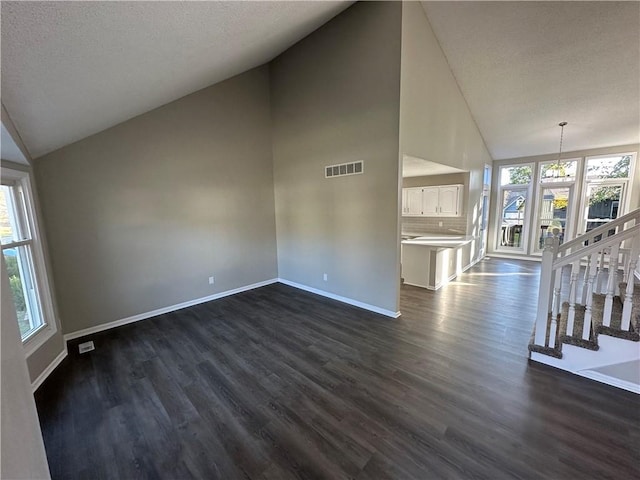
(606,184)
(23,257)
(514,207)
(555,194)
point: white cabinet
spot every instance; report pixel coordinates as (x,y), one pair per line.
(412,201)
(430,201)
(449,200)
(437,201)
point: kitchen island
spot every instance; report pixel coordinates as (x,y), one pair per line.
(432,261)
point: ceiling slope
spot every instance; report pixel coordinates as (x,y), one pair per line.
(71,69)
(523,67)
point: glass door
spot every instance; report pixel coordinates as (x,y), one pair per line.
(513,208)
(513,217)
(556,202)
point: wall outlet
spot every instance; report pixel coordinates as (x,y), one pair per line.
(439,224)
(212,280)
(325,277)
(86,347)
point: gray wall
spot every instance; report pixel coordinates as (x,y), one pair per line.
(435,122)
(22,455)
(335,98)
(140,215)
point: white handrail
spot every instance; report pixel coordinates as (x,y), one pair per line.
(601,230)
(598,254)
(596,247)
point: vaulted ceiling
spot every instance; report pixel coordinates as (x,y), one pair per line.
(523,67)
(71,69)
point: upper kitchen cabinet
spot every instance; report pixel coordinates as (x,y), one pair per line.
(450,200)
(438,201)
(412,201)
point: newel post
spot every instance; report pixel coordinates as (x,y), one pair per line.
(545,292)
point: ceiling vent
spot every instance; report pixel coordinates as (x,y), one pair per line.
(353,168)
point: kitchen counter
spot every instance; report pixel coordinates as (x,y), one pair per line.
(432,261)
(440,241)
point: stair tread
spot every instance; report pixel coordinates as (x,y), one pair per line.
(597,327)
(553,352)
(575,337)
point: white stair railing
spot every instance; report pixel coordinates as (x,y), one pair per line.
(602,254)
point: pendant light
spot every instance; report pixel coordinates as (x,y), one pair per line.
(556,171)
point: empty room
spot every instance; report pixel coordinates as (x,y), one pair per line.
(320,239)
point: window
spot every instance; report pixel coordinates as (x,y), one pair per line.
(23,256)
(579,194)
(514,207)
(558,171)
(606,185)
(555,201)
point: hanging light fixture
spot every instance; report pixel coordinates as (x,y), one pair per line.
(556,171)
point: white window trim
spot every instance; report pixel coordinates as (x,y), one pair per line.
(630,184)
(528,212)
(571,214)
(627,184)
(49,328)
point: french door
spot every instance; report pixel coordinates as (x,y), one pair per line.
(555,202)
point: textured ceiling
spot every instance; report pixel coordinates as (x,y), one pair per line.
(71,69)
(523,67)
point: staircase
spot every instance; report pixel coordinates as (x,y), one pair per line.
(588,318)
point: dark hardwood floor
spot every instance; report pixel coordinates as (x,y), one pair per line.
(277,383)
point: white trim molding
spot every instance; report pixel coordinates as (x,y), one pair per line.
(350,301)
(160,311)
(609,380)
(50,368)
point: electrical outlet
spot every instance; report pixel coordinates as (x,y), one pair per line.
(86,347)
(212,280)
(325,277)
(439,224)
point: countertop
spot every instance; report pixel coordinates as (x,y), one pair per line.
(439,241)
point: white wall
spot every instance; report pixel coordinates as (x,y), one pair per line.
(22,453)
(435,121)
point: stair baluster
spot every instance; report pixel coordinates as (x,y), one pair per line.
(592,270)
(630,278)
(585,280)
(600,274)
(611,285)
(573,287)
(591,293)
(553,329)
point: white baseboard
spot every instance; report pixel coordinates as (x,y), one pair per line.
(583,362)
(609,380)
(160,311)
(50,368)
(350,301)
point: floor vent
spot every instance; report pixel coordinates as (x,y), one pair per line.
(353,168)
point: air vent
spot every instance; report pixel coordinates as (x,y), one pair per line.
(353,168)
